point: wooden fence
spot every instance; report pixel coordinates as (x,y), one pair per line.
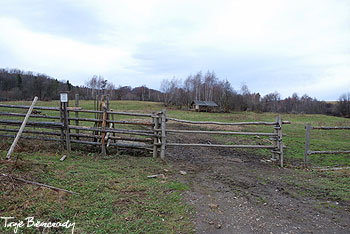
(309,152)
(105,130)
(148,132)
(276,136)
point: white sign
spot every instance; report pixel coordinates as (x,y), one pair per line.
(64,97)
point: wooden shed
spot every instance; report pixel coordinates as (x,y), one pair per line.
(208,106)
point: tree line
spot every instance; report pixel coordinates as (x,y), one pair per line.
(24,85)
(208,87)
(21,85)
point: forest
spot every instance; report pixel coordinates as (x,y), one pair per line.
(16,84)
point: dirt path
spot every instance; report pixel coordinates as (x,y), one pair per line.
(233,192)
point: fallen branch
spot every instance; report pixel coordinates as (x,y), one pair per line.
(39,184)
(332,168)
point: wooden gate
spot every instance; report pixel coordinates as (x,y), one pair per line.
(276,135)
(309,152)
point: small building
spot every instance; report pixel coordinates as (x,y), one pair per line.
(208,106)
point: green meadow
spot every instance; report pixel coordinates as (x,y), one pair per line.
(115,195)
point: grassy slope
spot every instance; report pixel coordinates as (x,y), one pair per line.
(95,177)
(115,194)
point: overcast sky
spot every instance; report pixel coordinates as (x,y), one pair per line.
(300,46)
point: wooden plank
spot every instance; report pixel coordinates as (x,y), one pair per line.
(155,141)
(32,123)
(129,122)
(120,131)
(130,114)
(62,123)
(86,142)
(32,116)
(80,135)
(132,145)
(223,146)
(131,139)
(275,153)
(77,113)
(163,127)
(30,131)
(8,156)
(331,128)
(117,113)
(108,101)
(280,143)
(26,107)
(330,152)
(221,132)
(307,146)
(31,137)
(332,168)
(221,123)
(66,127)
(103,134)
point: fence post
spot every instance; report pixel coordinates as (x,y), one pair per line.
(77,113)
(307,145)
(163,137)
(275,141)
(104,128)
(63,125)
(66,126)
(107,99)
(280,143)
(155,139)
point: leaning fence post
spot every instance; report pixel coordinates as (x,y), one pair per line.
(163,146)
(280,143)
(21,128)
(307,145)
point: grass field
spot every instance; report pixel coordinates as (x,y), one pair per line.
(115,193)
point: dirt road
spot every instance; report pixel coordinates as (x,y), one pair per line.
(233,192)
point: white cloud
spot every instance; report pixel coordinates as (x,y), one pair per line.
(45,52)
(302,43)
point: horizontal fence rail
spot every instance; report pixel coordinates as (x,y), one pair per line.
(35,107)
(223,146)
(223,132)
(33,123)
(309,152)
(224,123)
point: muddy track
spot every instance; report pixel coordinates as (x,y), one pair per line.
(235,192)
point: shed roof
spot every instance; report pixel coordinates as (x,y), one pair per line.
(204,103)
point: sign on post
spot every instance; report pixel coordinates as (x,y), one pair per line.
(64,97)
